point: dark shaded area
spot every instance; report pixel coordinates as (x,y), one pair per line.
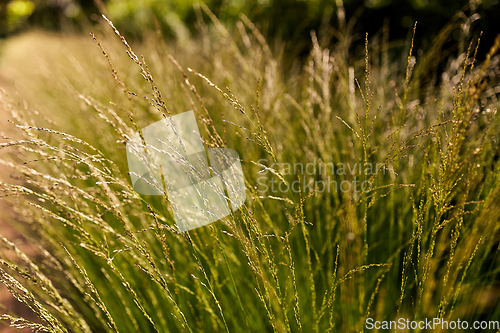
(292,21)
(288,21)
(57,15)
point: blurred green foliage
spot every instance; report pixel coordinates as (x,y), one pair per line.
(277,15)
(14,13)
(289,21)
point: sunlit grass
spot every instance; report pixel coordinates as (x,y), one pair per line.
(422,243)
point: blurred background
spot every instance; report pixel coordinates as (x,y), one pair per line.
(288,21)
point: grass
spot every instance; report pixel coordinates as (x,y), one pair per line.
(421,243)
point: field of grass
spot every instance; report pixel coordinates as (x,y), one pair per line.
(419,240)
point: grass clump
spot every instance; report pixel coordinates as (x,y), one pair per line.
(420,240)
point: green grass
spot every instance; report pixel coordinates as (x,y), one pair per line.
(422,243)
